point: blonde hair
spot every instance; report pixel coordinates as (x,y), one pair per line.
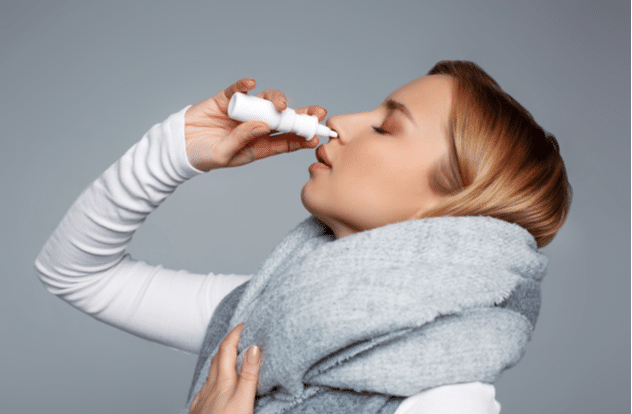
(502,163)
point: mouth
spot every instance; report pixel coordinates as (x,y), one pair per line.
(321,156)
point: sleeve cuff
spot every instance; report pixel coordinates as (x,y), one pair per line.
(174,128)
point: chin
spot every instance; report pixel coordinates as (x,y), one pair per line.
(311,205)
(307,202)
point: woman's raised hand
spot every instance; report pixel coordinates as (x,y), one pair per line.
(224,391)
(213,140)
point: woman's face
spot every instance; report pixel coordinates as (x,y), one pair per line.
(381,159)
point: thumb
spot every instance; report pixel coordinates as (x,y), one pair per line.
(249,376)
(245,132)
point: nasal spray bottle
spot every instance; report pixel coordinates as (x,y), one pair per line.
(246,108)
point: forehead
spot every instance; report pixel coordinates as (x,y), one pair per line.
(427,96)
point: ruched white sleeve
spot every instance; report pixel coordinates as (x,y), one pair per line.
(84,261)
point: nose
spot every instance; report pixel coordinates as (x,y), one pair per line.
(334,123)
(349,125)
(331,125)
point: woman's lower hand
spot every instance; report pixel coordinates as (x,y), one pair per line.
(224,391)
(214,140)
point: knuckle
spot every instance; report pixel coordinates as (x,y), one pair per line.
(249,376)
(221,160)
(274,94)
(252,153)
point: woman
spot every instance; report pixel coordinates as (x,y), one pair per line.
(362,307)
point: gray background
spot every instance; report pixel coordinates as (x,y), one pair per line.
(83,81)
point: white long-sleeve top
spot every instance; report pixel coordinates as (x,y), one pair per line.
(85,263)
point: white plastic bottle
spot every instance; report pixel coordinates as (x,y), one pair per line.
(246,108)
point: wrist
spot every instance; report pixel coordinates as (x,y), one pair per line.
(186,164)
(196,155)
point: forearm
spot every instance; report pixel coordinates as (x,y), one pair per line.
(84,261)
(94,233)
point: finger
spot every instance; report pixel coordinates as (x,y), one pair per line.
(222,98)
(249,377)
(233,336)
(319,111)
(228,355)
(212,371)
(242,85)
(194,408)
(288,142)
(276,97)
(244,134)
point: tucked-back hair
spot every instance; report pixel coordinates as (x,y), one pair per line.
(502,163)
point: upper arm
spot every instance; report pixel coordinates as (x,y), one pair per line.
(171,307)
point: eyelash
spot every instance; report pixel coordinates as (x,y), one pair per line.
(379,130)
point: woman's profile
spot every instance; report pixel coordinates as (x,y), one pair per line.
(412,285)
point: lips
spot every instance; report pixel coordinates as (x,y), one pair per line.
(321,156)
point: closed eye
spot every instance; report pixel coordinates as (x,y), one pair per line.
(379,130)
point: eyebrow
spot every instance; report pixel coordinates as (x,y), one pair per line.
(393,105)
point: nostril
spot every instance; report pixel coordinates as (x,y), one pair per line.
(331,124)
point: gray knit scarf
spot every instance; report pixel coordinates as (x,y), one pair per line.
(359,323)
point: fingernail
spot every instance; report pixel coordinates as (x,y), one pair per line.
(253,356)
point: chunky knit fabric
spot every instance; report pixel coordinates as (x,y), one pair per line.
(368,319)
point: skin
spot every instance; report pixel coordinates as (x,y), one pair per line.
(378,177)
(224,391)
(383,178)
(213,140)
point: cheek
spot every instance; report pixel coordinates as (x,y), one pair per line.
(362,161)
(367,174)
(387,174)
(360,164)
